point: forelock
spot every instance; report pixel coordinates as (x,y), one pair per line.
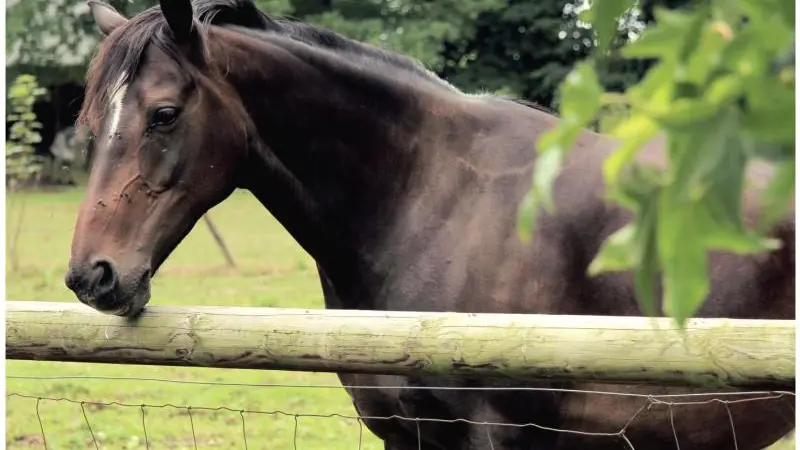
(118,60)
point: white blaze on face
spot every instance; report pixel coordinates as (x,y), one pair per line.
(119,90)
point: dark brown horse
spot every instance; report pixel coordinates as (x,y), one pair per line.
(404,190)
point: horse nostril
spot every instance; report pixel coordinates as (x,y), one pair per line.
(104,277)
(73,280)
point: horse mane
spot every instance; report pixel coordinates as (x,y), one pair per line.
(533,105)
(244,14)
(120,55)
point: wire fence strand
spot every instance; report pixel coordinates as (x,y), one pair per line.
(359,420)
(41,424)
(244,430)
(88,425)
(669,401)
(398,387)
(144,428)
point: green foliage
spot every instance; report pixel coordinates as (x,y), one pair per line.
(520,47)
(21,161)
(722,94)
(56,38)
(416,29)
(514,47)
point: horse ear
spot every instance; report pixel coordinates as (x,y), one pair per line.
(106,17)
(179,17)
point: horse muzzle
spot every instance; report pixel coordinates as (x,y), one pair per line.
(98,284)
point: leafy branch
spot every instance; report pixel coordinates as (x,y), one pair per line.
(721,92)
(22,163)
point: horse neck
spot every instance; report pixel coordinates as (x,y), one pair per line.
(337,145)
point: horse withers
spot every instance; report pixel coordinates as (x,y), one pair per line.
(404,190)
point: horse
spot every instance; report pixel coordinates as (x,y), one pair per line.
(404,190)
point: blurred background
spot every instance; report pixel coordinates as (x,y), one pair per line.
(512,47)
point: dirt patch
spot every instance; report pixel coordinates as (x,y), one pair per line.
(34,440)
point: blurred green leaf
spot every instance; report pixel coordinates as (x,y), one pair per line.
(779,195)
(526,216)
(670,39)
(604,16)
(770,113)
(638,190)
(634,132)
(580,95)
(645,274)
(616,253)
(682,257)
(545,173)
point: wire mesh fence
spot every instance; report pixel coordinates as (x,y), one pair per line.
(156,425)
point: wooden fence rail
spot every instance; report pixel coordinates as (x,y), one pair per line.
(710,353)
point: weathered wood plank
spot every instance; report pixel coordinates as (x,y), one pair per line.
(711,353)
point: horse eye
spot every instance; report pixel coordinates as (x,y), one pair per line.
(164,116)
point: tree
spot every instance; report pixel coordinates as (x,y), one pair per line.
(55,39)
(527,48)
(416,29)
(512,46)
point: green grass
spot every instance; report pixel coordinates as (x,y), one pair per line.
(273,271)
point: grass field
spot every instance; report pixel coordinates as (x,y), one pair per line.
(274,271)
